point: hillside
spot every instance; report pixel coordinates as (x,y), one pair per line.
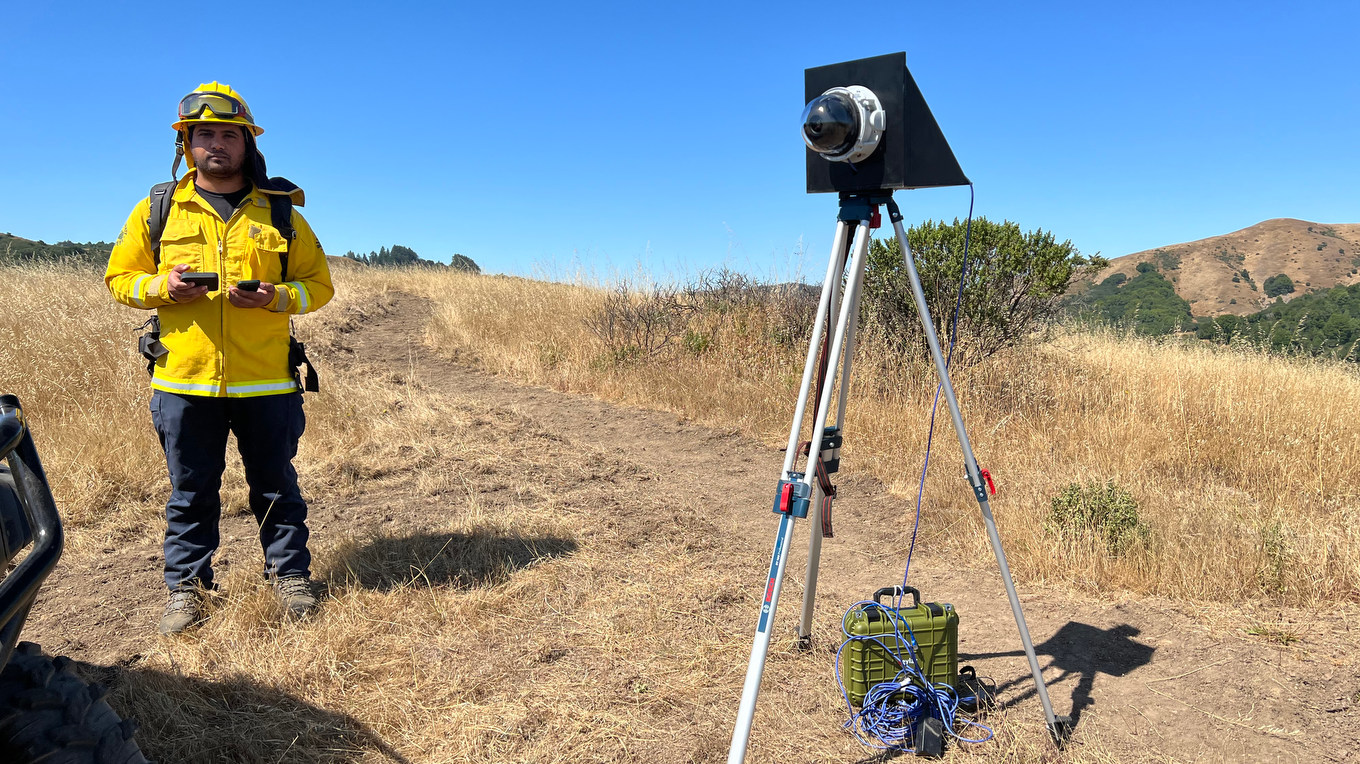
(1227,274)
(16,249)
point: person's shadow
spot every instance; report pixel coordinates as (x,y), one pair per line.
(1082,649)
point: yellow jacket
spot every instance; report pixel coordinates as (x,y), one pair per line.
(215,348)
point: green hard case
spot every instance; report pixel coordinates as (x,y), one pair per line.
(934,625)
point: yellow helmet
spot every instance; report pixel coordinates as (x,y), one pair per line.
(215,102)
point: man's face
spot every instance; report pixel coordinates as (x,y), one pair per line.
(218,150)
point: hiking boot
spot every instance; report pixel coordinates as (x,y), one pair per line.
(296,595)
(182,610)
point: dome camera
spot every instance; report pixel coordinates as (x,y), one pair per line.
(844,124)
(867,128)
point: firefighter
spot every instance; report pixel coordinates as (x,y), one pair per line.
(224,360)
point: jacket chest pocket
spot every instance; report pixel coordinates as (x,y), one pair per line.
(182,242)
(267,248)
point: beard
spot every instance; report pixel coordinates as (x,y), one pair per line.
(220,166)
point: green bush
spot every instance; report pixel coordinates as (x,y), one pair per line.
(1014,281)
(1278,285)
(1147,303)
(697,343)
(1101,511)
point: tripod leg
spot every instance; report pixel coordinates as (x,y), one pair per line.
(814,561)
(1055,726)
(849,356)
(850,309)
(760,646)
(832,282)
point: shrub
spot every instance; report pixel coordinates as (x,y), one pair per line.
(1278,285)
(1101,511)
(697,342)
(638,325)
(1014,280)
(1276,556)
(726,302)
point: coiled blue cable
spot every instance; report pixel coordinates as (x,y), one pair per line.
(892,710)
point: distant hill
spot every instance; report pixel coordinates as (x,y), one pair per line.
(15,249)
(1325,323)
(1228,273)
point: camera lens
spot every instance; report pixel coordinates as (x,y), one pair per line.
(831,124)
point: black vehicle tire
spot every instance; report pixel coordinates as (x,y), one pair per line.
(48,714)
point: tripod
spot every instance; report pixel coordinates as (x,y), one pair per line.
(801,495)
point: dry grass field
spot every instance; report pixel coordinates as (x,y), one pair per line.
(503,590)
(1242,464)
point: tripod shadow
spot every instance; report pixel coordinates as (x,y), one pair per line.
(1081,649)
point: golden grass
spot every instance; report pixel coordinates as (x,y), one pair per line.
(536,618)
(69,353)
(532,617)
(1241,462)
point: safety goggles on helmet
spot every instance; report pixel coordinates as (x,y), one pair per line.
(219,104)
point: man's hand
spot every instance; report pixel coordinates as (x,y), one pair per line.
(182,291)
(257,299)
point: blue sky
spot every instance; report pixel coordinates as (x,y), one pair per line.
(596,138)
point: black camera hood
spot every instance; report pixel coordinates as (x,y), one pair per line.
(912,153)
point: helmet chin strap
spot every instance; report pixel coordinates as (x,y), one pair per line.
(179,154)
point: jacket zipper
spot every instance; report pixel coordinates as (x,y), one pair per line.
(223,284)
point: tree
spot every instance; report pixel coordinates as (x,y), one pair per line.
(1228,324)
(1014,280)
(1278,285)
(401,257)
(1147,303)
(465,263)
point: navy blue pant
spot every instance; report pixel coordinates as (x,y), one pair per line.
(193,432)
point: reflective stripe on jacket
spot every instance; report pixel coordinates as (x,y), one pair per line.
(215,348)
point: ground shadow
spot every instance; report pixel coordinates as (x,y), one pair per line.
(459,560)
(233,721)
(1081,649)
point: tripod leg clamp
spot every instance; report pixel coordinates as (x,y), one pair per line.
(1061,729)
(831,449)
(792,496)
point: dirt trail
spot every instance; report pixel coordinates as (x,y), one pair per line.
(1156,680)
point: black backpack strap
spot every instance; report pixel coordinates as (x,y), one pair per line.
(279,192)
(161,197)
(281,216)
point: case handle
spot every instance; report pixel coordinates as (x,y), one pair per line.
(895,591)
